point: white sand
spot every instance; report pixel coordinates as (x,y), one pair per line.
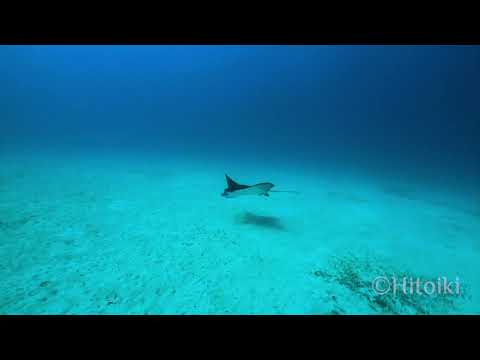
(118,234)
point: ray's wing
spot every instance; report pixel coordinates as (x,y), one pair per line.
(232,185)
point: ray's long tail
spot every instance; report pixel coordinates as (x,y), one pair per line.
(286,191)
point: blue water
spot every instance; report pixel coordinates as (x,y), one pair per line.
(114,160)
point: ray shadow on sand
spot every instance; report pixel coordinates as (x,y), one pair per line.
(268,222)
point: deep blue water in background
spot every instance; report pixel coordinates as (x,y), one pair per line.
(392,109)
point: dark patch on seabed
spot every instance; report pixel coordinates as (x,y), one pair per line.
(356,274)
(268,222)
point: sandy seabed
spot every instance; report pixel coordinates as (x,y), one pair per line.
(118,234)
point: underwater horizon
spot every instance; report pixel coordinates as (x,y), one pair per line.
(114,163)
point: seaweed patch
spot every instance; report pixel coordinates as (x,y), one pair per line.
(357,275)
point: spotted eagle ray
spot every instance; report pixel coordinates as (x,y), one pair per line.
(235,189)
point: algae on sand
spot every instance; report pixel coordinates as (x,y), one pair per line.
(358,275)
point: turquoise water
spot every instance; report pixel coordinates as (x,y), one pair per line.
(110,203)
(123,234)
